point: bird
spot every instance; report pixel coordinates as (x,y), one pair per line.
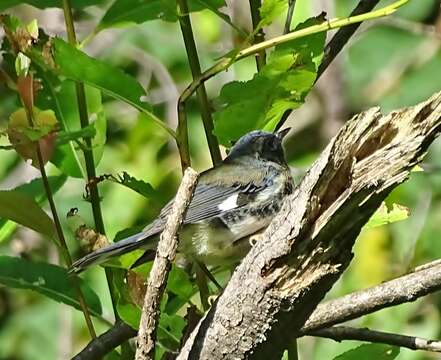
(231,203)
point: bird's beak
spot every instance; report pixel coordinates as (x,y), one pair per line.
(282,133)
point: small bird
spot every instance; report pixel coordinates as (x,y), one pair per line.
(231,203)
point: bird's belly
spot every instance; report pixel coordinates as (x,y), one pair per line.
(216,244)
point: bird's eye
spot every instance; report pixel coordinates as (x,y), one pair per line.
(271,145)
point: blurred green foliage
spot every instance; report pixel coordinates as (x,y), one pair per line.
(392,62)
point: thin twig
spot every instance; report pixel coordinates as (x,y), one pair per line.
(165,255)
(88,150)
(59,230)
(259,35)
(340,333)
(112,338)
(193,60)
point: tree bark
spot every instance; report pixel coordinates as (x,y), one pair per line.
(309,244)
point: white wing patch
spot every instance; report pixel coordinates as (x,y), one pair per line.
(229,203)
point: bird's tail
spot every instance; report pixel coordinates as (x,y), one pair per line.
(119,248)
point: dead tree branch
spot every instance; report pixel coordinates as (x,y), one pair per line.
(403,289)
(165,255)
(425,280)
(309,244)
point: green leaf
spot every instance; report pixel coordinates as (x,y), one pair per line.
(138,11)
(49,280)
(271,10)
(170,331)
(282,84)
(35,190)
(24,210)
(43,4)
(76,65)
(141,187)
(385,216)
(127,310)
(179,283)
(369,352)
(170,325)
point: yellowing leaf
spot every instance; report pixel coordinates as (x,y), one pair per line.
(23,137)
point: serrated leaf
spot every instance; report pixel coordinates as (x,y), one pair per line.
(34,190)
(43,4)
(385,216)
(282,84)
(22,209)
(136,12)
(49,280)
(369,352)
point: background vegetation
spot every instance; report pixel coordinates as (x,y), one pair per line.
(391,62)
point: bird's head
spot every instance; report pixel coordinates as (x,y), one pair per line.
(261,145)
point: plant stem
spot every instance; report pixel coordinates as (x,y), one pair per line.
(88,150)
(259,35)
(59,230)
(202,283)
(63,245)
(293,351)
(193,60)
(289,14)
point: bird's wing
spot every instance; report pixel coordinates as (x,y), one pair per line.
(211,200)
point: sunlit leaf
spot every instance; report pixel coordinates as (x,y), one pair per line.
(385,216)
(271,10)
(49,280)
(282,84)
(369,352)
